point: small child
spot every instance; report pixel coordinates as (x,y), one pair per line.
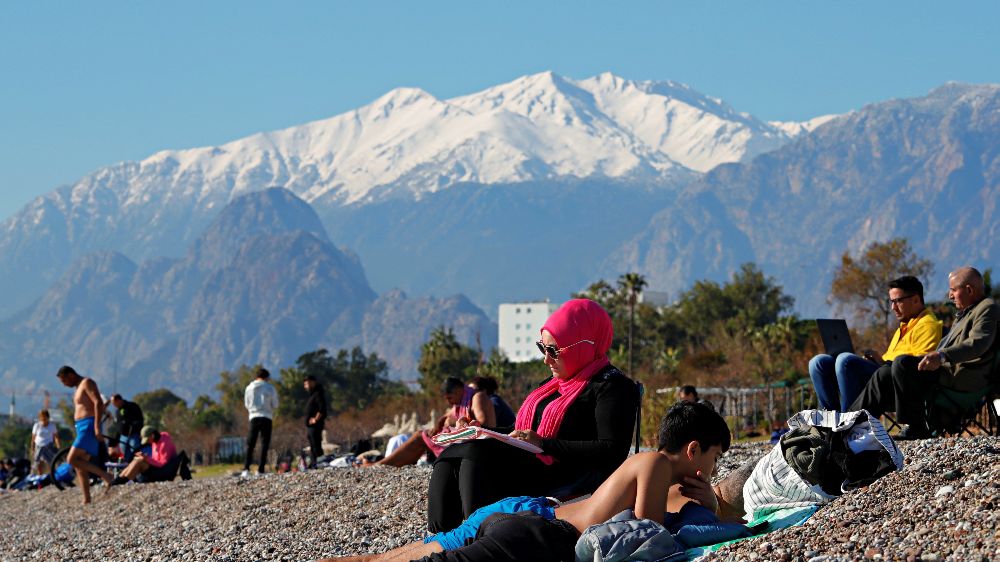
(44,442)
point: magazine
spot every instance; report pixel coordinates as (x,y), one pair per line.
(475,432)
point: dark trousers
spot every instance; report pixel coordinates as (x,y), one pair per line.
(315,435)
(259,426)
(469,475)
(899,387)
(521,537)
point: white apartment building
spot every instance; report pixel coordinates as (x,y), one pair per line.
(520,324)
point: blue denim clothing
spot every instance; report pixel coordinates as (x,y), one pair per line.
(457,537)
(839,382)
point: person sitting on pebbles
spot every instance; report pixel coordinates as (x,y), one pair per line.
(469,405)
(160,465)
(692,437)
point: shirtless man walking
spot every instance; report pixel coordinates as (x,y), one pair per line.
(87,408)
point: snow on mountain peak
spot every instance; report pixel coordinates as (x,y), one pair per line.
(408,142)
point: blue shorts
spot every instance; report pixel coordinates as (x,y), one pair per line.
(455,538)
(85,438)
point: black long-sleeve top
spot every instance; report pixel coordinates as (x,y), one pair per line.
(597,425)
(316,405)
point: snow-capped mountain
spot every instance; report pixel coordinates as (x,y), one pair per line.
(404,146)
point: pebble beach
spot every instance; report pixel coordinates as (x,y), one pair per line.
(944,505)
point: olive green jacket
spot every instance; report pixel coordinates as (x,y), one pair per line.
(970,348)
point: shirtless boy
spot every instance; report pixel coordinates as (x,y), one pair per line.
(87,407)
(692,437)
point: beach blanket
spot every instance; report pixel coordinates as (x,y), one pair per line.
(764,521)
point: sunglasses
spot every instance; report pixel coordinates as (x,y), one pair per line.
(553,351)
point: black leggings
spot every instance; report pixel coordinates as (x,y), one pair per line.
(523,537)
(258,426)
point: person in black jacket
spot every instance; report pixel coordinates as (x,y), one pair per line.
(130,421)
(581,418)
(315,417)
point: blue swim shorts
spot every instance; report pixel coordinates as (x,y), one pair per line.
(85,438)
(455,538)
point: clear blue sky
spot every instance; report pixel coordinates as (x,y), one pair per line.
(83,85)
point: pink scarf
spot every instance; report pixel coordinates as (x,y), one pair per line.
(576,320)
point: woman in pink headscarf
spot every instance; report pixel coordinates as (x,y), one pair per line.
(581,417)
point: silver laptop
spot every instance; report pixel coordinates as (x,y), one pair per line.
(836,337)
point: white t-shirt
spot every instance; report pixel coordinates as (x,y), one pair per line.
(44,434)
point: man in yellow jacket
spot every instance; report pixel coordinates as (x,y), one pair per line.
(839,381)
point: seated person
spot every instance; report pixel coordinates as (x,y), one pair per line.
(692,437)
(839,382)
(963,361)
(581,418)
(504,414)
(688,393)
(468,404)
(161,463)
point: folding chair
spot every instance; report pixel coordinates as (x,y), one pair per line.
(641,390)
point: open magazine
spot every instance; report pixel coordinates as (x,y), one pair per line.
(475,432)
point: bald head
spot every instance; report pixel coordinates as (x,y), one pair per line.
(966,287)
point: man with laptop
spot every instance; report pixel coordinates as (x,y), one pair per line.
(964,361)
(839,376)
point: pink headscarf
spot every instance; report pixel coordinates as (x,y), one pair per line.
(576,320)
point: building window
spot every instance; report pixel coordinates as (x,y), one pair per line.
(528,311)
(517,340)
(517,326)
(517,311)
(518,353)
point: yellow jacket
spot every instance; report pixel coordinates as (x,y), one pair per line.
(919,336)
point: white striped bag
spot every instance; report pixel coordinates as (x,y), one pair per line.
(774,485)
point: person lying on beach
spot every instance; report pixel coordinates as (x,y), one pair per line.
(692,437)
(468,405)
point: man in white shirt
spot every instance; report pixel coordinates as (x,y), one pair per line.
(260,399)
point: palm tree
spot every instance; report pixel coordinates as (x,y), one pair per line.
(631,285)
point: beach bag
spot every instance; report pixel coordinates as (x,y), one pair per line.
(774,484)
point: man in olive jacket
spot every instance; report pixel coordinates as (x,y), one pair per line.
(964,360)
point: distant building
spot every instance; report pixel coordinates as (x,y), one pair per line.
(655,298)
(520,324)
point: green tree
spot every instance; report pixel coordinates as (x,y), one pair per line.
(155,402)
(351,380)
(749,300)
(443,356)
(862,283)
(630,285)
(15,436)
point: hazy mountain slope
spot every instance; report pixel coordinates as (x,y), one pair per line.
(263,284)
(927,169)
(406,145)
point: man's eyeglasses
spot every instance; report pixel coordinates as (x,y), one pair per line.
(893,302)
(553,351)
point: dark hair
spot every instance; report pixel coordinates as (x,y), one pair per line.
(689,389)
(309,378)
(909,284)
(451,383)
(690,421)
(486,384)
(66,370)
(263,373)
(116,396)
